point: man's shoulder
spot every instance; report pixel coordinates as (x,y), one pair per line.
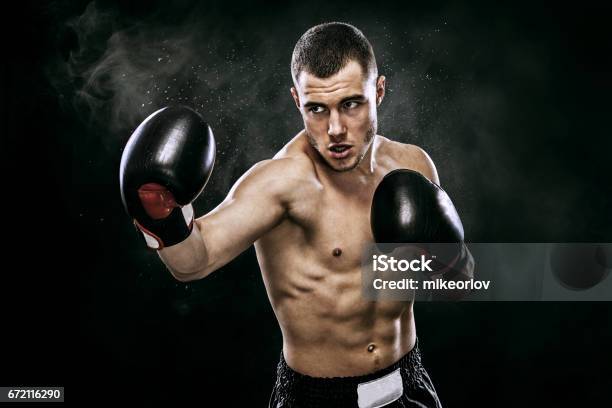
(409,156)
(290,168)
(402,151)
(285,167)
(293,157)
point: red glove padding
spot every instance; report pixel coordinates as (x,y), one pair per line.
(157,201)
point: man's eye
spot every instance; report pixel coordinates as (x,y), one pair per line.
(316,109)
(351,104)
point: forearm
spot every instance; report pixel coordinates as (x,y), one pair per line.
(188,260)
(462,269)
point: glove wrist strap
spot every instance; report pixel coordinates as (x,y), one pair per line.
(169,231)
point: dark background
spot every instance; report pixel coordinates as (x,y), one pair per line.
(512,103)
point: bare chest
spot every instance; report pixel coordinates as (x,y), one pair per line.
(336,226)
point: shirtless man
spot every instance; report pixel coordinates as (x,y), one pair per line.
(307,211)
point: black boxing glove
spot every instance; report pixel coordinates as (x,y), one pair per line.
(408,208)
(164,168)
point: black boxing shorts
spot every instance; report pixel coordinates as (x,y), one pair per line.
(402,384)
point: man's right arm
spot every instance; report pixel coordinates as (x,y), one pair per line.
(256,203)
(164,168)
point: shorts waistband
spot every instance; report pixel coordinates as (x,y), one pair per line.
(301,386)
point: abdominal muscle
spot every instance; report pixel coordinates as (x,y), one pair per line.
(329,329)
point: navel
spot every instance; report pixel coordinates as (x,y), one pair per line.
(337,252)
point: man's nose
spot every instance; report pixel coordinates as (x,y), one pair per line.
(336,128)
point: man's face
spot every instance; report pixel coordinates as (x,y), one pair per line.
(339,113)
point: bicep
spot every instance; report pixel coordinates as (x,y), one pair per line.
(253,206)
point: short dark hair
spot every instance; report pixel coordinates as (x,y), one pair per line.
(325,49)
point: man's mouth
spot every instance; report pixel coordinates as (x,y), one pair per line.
(339,150)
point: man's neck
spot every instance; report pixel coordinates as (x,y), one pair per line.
(358,176)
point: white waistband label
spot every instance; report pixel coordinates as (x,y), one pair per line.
(380,392)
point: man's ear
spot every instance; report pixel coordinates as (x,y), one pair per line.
(296,97)
(380,89)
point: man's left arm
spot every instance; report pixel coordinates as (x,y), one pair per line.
(461,268)
(435,220)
